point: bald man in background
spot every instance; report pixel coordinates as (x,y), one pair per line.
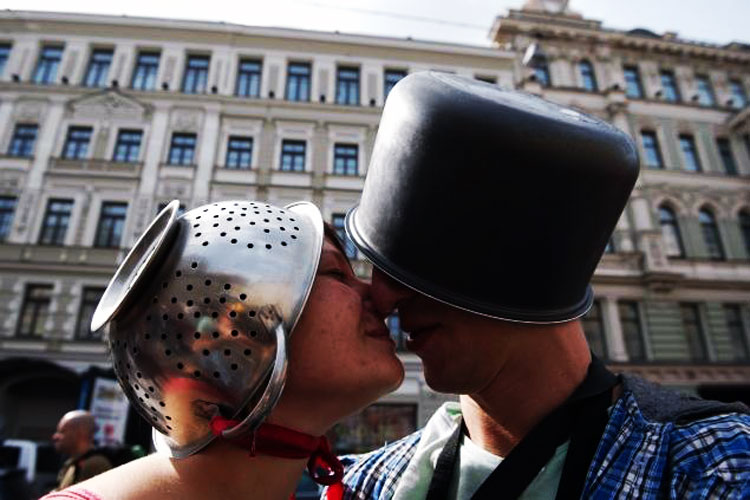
(75,438)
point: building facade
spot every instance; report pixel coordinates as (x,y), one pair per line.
(104,119)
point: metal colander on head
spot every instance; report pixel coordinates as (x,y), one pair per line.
(200,311)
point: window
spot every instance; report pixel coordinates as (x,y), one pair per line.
(196,74)
(631,330)
(669,86)
(46,66)
(739,97)
(690,153)
(111,223)
(486,79)
(737,332)
(144,74)
(239,152)
(393,322)
(727,158)
(711,235)
(633,86)
(338,225)
(298,82)
(347,86)
(89,300)
(610,248)
(541,71)
(7,208)
(55,223)
(4,53)
(34,311)
(744,217)
(391,78)
(22,143)
(182,149)
(593,327)
(670,232)
(77,143)
(693,329)
(705,91)
(248,78)
(651,148)
(292,156)
(588,77)
(128,146)
(345,159)
(96,75)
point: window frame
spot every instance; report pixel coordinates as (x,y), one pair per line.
(347,86)
(293,155)
(676,234)
(670,89)
(690,154)
(46,68)
(183,148)
(80,148)
(5,49)
(637,82)
(738,93)
(97,71)
(20,143)
(350,249)
(37,303)
(145,73)
(7,214)
(345,157)
(702,341)
(85,303)
(389,84)
(743,220)
(240,153)
(588,75)
(634,307)
(705,91)
(129,146)
(195,78)
(110,228)
(254,78)
(298,79)
(711,234)
(726,154)
(59,229)
(653,148)
(740,341)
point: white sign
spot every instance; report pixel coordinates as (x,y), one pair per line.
(110,407)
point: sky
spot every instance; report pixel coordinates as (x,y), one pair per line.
(455,21)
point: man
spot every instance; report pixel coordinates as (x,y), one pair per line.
(485,213)
(75,438)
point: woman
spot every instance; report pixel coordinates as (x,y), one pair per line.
(341,357)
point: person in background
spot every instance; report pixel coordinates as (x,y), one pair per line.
(74,438)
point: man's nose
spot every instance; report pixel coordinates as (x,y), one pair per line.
(387,292)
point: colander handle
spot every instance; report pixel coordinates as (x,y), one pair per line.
(271,318)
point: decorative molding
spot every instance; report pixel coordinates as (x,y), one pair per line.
(109,104)
(689,374)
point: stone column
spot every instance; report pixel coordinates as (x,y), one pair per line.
(613,330)
(209,137)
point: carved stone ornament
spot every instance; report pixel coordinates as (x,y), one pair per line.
(108,104)
(186,120)
(31,110)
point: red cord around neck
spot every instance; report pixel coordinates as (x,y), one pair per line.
(276,441)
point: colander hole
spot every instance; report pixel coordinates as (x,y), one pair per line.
(223,208)
(180,315)
(140,399)
(196,225)
(282,228)
(163,337)
(227,352)
(189,303)
(283,243)
(266,230)
(206,352)
(243,215)
(252,222)
(233,241)
(196,374)
(148,318)
(162,404)
(233,366)
(153,418)
(135,350)
(291,219)
(229,218)
(138,374)
(243,296)
(197,335)
(196,314)
(266,220)
(151,389)
(222,299)
(146,396)
(205,210)
(178,336)
(216,335)
(296,228)
(253,333)
(236,228)
(216,216)
(249,245)
(135,386)
(169,428)
(155,300)
(214,314)
(235,333)
(167,352)
(194,265)
(205,243)
(206,300)
(147,336)
(257,213)
(189,287)
(232,314)
(216,224)
(178,273)
(198,217)
(268,246)
(127,365)
(167,417)
(180,366)
(165,317)
(244,208)
(173,300)
(216,375)
(294,237)
(251,314)
(269,211)
(164,285)
(222,234)
(227,286)
(248,352)
(198,235)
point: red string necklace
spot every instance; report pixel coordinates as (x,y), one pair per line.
(276,441)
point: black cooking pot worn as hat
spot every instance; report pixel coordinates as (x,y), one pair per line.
(492,200)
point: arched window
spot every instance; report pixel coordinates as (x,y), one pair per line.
(588,77)
(711,234)
(670,231)
(745,229)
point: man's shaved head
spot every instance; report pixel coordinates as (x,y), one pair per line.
(75,432)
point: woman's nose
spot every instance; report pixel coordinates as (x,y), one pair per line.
(387,292)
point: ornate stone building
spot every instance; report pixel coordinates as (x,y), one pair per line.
(104,119)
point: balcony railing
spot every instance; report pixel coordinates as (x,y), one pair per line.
(90,167)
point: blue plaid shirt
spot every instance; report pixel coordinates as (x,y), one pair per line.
(645,452)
